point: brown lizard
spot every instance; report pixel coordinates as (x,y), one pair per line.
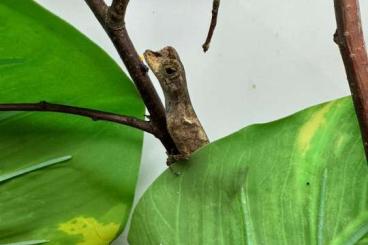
(182,121)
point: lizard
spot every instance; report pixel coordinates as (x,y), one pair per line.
(182,122)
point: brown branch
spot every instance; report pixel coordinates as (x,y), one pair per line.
(350,39)
(112,19)
(215,8)
(93,114)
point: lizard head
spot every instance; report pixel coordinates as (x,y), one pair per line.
(168,69)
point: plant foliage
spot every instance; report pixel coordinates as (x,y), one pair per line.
(299,180)
(63,178)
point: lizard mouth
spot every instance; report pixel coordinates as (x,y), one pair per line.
(153,53)
(153,59)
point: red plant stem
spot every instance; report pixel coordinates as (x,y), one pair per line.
(349,37)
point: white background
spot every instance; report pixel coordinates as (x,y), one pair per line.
(268,59)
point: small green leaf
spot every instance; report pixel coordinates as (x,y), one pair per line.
(299,180)
(86,200)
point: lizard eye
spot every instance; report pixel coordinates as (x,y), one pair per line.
(170,70)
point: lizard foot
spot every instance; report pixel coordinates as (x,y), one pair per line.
(174,158)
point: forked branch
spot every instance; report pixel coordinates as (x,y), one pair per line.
(349,37)
(112,20)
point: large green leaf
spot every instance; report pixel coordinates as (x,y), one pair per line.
(299,180)
(43,195)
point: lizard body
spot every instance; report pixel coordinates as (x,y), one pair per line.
(182,121)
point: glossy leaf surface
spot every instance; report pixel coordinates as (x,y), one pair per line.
(44,195)
(299,180)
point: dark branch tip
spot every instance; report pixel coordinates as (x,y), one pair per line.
(336,37)
(205,47)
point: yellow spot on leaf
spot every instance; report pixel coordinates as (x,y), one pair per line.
(310,128)
(91,231)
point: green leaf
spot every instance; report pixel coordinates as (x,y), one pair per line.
(299,180)
(85,199)
(28,242)
(31,168)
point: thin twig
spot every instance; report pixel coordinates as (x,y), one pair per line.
(93,114)
(350,39)
(215,8)
(112,19)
